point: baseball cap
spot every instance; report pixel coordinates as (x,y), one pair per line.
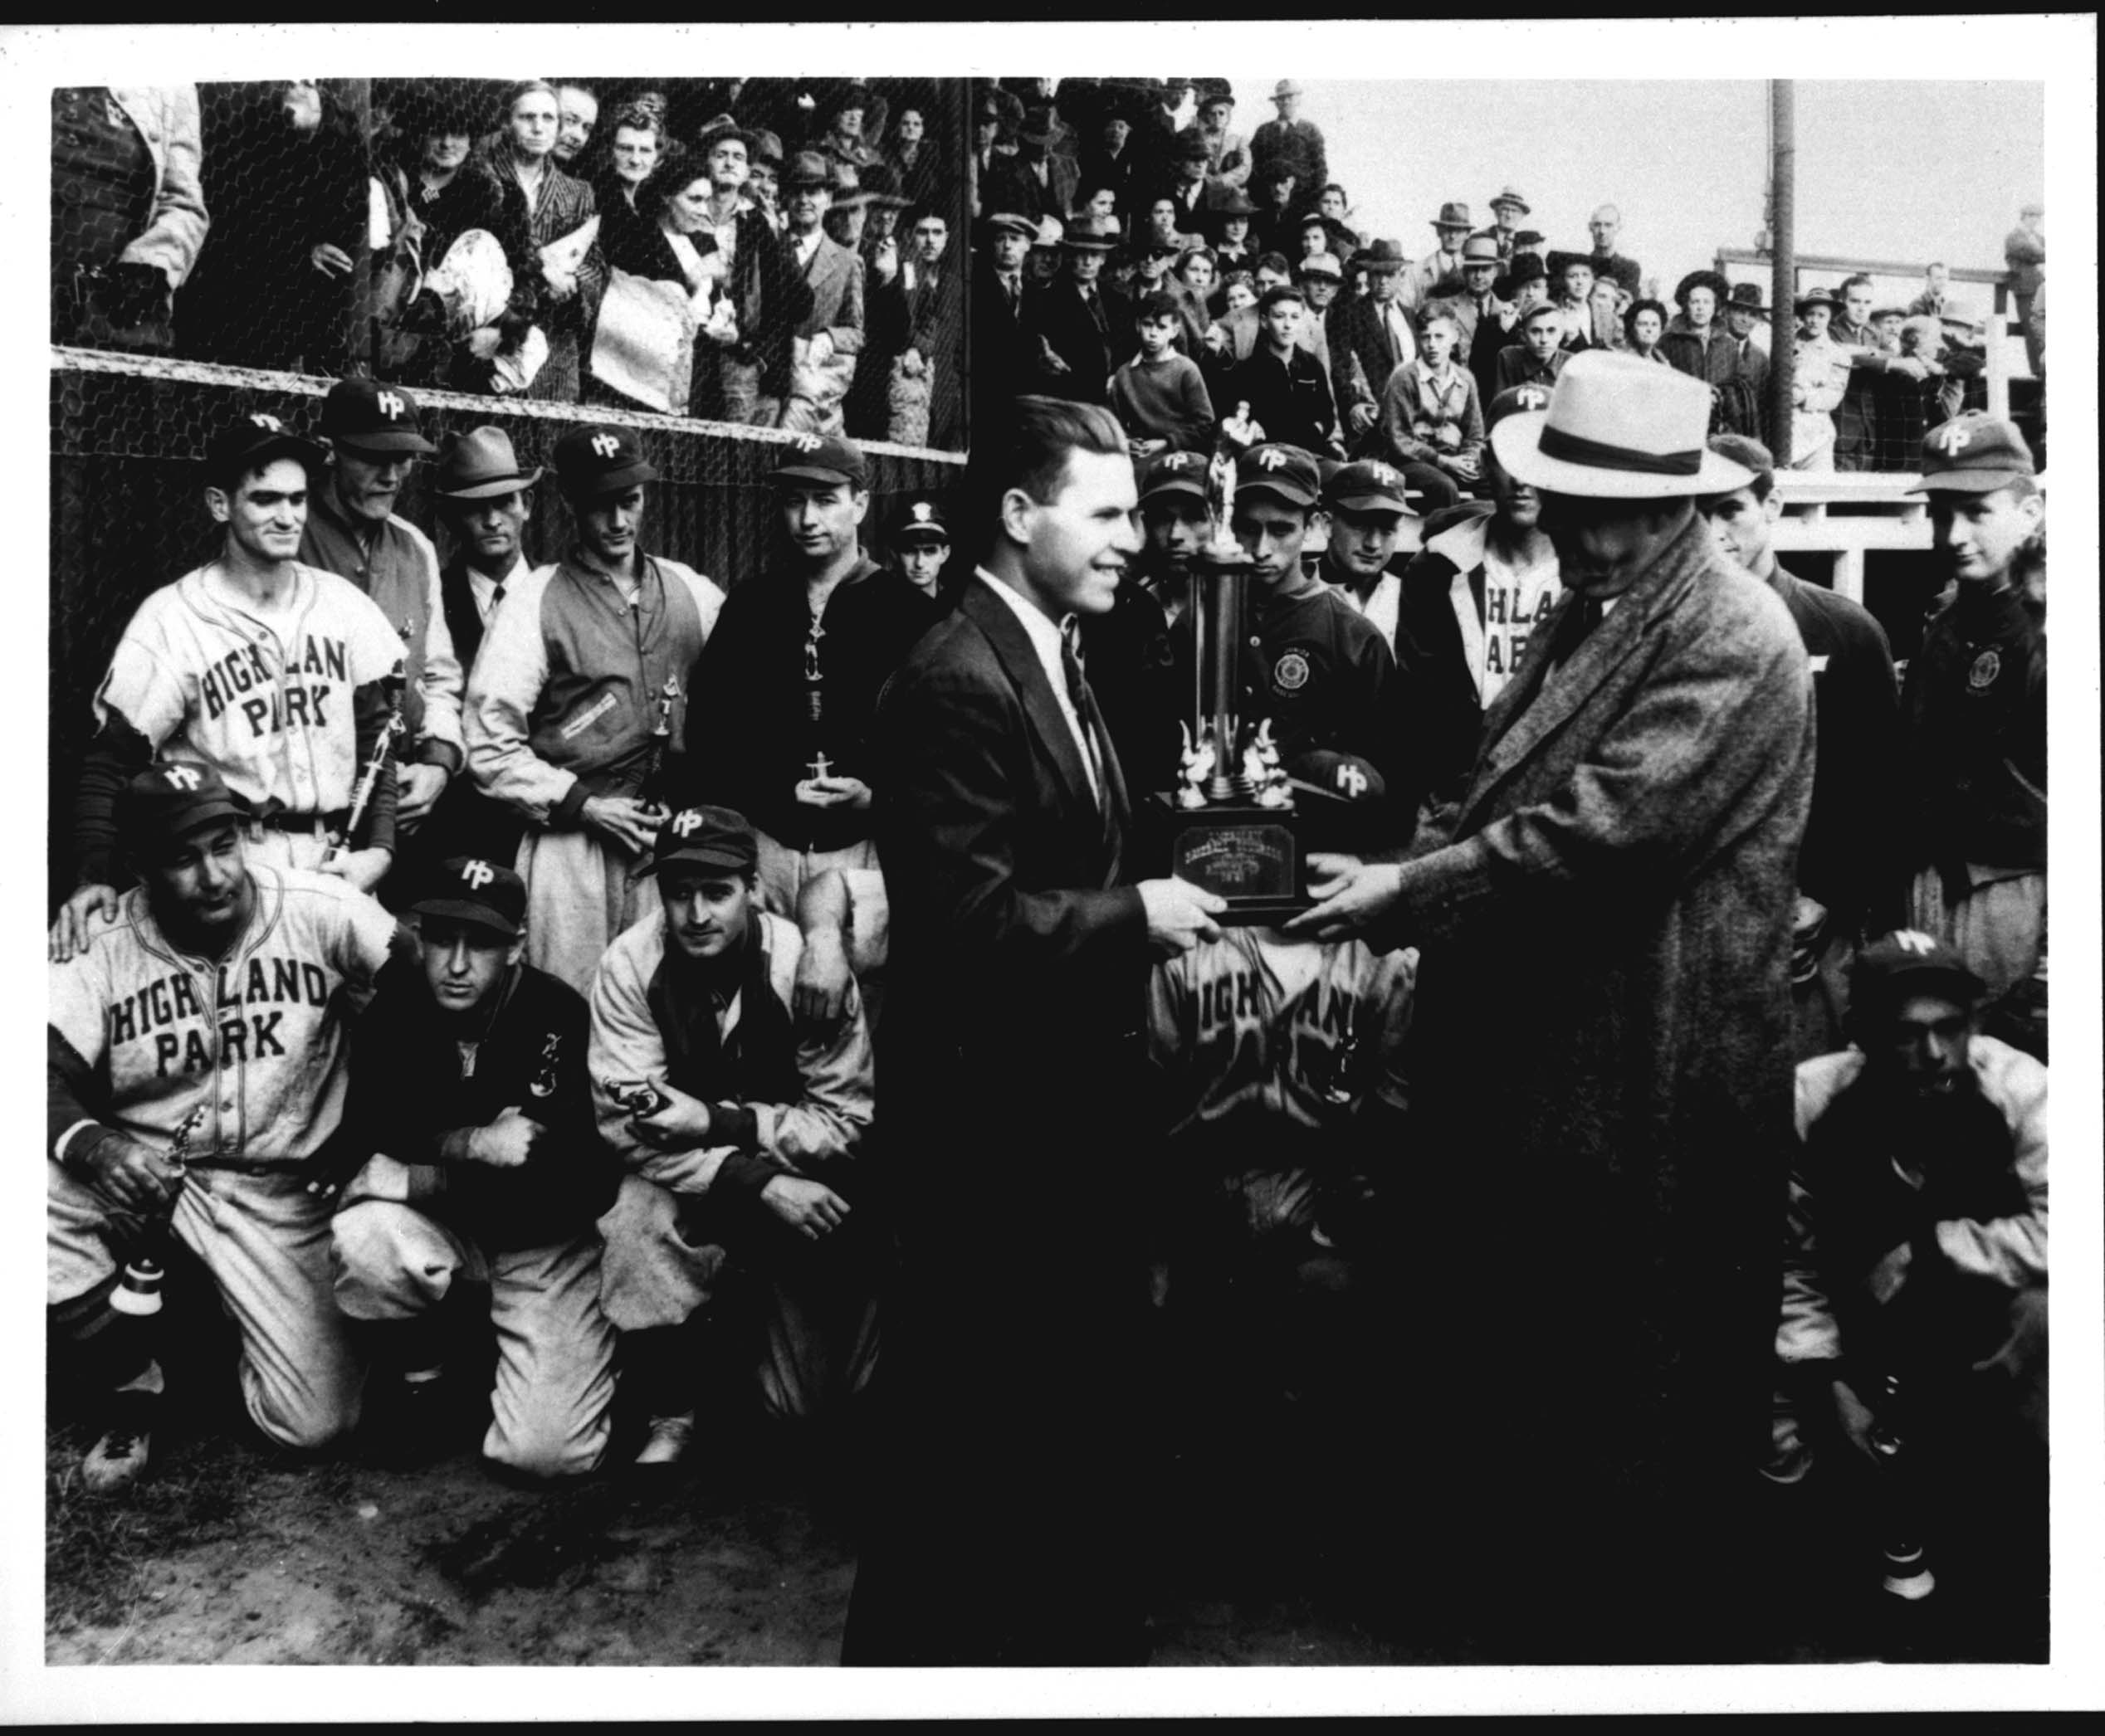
(1341,800)
(468,889)
(1909,962)
(822,458)
(1276,468)
(1513,400)
(1973,454)
(368,417)
(1174,473)
(706,837)
(1370,486)
(250,441)
(922,522)
(165,802)
(595,460)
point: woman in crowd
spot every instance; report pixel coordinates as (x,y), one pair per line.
(670,240)
(1194,288)
(914,156)
(558,205)
(1698,344)
(1644,326)
(635,141)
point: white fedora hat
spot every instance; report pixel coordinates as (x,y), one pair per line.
(1618,429)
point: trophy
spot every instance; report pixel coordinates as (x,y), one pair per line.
(1231,821)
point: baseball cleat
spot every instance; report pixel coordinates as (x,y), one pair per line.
(117,1459)
(669,1439)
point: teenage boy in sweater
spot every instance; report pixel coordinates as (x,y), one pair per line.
(1159,397)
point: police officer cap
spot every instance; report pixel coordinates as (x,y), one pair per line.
(597,461)
(922,522)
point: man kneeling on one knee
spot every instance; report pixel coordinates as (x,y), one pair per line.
(471,1095)
(739,1119)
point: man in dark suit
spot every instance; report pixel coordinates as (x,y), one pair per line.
(1085,330)
(484,498)
(1035,181)
(1017,974)
(1003,347)
(1374,329)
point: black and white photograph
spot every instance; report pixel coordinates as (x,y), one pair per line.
(1074,893)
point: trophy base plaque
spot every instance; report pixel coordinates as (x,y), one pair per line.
(1248,853)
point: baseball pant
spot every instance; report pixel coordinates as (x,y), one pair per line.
(785,870)
(581,892)
(1997,927)
(818,1316)
(265,1241)
(555,1348)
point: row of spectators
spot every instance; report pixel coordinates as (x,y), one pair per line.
(768,251)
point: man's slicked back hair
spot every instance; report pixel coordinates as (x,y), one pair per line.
(1044,432)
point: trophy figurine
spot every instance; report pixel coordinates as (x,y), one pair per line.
(1231,824)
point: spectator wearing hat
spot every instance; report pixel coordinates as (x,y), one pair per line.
(1975,710)
(921,541)
(1159,397)
(1227,227)
(1369,505)
(1626,848)
(1376,334)
(916,314)
(1287,392)
(1914,1292)
(1278,224)
(786,690)
(1081,328)
(741,1160)
(483,1171)
(1111,158)
(1819,379)
(1604,225)
(375,433)
(1743,312)
(1187,183)
(1848,876)
(1485,320)
(1227,153)
(1319,277)
(848,116)
(763,177)
(1289,142)
(743,357)
(129,215)
(1176,522)
(830,336)
(189,1106)
(1452,226)
(1507,208)
(577,713)
(2024,251)
(484,498)
(995,116)
(1525,280)
(169,693)
(1430,417)
(1699,344)
(1470,600)
(562,221)
(1004,326)
(1034,182)
(1539,358)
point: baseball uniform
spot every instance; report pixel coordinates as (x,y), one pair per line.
(141,1035)
(286,702)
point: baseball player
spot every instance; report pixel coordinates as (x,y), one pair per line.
(375,436)
(578,708)
(1370,504)
(736,1117)
(471,1094)
(273,673)
(216,1003)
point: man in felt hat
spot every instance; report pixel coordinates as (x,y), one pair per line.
(1082,327)
(375,433)
(1290,142)
(277,676)
(1975,710)
(1452,226)
(829,337)
(1228,154)
(484,1173)
(1612,900)
(1605,225)
(995,116)
(1034,182)
(577,710)
(1186,182)
(1743,312)
(195,1067)
(785,691)
(1820,371)
(1849,873)
(485,497)
(1371,337)
(769,297)
(1507,208)
(764,176)
(738,1121)
(1484,319)
(1319,277)
(1913,1328)
(1227,227)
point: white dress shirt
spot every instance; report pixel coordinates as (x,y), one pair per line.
(1046,641)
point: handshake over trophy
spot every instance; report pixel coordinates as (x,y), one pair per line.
(1232,823)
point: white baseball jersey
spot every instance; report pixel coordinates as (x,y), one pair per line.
(256,1038)
(262,696)
(1256,1024)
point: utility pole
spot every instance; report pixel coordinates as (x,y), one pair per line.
(1783,274)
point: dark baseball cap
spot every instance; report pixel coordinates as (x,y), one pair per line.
(471,889)
(1276,468)
(1973,454)
(1174,473)
(166,802)
(821,458)
(1513,401)
(368,417)
(249,443)
(591,462)
(1909,962)
(922,522)
(706,837)
(1370,485)
(1342,800)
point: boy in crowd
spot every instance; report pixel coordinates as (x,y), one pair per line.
(1159,397)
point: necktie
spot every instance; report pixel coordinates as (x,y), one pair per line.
(1583,618)
(1095,310)
(496,596)
(1079,697)
(1013,290)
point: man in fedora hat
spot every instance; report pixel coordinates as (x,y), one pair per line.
(1373,333)
(769,297)
(1034,182)
(1819,380)
(1289,142)
(1082,328)
(578,709)
(1452,226)
(1507,208)
(1612,900)
(1486,320)
(1004,347)
(1227,227)
(829,337)
(1186,182)
(1228,154)
(1743,311)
